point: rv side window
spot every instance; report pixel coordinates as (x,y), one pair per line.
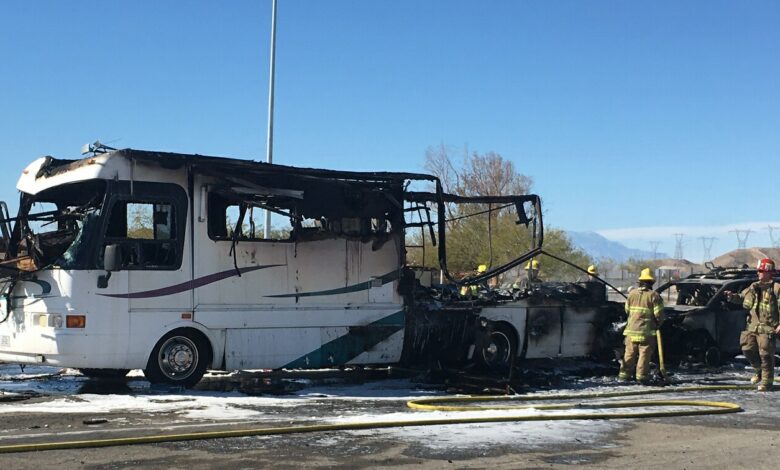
(146,233)
(223,216)
(253,224)
(290,223)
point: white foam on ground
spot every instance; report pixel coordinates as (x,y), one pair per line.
(527,434)
(359,403)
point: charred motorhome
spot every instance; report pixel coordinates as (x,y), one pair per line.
(134,259)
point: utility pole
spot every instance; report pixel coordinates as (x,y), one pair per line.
(775,241)
(742,237)
(707,245)
(270,144)
(678,248)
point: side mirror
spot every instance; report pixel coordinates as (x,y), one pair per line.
(111,262)
(111,258)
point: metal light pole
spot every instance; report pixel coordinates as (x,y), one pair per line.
(270,144)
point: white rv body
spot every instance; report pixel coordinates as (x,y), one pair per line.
(293,305)
(141,266)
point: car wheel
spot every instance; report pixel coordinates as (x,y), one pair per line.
(179,358)
(500,349)
(712,356)
(104,373)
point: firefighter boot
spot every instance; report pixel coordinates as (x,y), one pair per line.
(766,381)
(755,379)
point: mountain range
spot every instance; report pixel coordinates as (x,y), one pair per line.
(600,247)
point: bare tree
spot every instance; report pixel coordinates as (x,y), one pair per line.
(484,234)
(478,175)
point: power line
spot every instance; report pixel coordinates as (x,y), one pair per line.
(707,245)
(742,237)
(654,249)
(775,241)
(678,248)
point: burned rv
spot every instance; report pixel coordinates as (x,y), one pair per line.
(133,259)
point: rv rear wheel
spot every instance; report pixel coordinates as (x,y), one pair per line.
(498,352)
(179,358)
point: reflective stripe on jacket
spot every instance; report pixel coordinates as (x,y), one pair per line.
(645,311)
(761,301)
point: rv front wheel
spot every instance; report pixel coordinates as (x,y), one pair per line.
(179,358)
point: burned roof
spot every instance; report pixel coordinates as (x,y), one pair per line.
(234,166)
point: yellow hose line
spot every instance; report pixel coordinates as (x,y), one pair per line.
(705,407)
(433,404)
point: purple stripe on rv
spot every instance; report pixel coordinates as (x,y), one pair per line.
(189,285)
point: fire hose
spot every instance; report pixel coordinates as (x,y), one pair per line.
(453,404)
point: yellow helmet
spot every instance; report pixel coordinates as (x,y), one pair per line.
(593,270)
(533,264)
(481,268)
(646,275)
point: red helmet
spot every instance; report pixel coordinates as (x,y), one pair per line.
(765,265)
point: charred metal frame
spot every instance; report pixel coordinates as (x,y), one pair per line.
(376,190)
(440,198)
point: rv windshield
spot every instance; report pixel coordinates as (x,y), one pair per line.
(50,228)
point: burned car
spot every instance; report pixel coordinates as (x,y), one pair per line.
(701,324)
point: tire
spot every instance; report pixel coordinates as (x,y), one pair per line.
(701,347)
(104,373)
(180,358)
(713,357)
(497,354)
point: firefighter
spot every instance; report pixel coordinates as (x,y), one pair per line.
(593,273)
(472,290)
(760,299)
(645,311)
(594,285)
(532,276)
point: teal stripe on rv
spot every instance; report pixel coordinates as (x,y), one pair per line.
(358,340)
(389,277)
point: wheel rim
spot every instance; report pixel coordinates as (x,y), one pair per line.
(497,353)
(712,356)
(178,358)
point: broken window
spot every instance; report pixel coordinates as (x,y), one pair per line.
(146,233)
(50,227)
(240,216)
(253,224)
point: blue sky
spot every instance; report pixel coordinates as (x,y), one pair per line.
(635,119)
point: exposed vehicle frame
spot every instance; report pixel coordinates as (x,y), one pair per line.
(702,325)
(153,260)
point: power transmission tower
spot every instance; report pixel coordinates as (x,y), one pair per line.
(654,249)
(678,248)
(707,244)
(775,241)
(742,237)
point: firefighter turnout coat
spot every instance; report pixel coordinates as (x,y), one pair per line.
(645,310)
(761,301)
